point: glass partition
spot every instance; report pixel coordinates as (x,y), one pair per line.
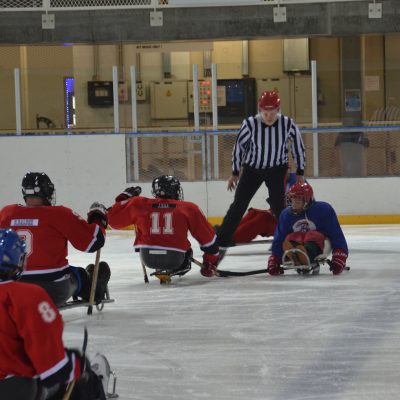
(87,88)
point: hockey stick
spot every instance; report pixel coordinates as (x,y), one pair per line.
(262,241)
(94,283)
(146,278)
(230,273)
(71,385)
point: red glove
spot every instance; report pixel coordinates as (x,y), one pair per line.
(338,263)
(97,214)
(210,265)
(274,265)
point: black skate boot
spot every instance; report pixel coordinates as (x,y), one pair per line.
(102,279)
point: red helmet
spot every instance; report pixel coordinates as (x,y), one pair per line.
(303,191)
(269,101)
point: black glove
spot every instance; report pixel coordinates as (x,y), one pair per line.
(128,193)
(97,214)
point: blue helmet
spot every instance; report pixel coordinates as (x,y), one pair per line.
(12,253)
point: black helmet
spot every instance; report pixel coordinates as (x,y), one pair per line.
(38,184)
(167,187)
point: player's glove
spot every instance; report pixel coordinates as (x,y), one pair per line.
(128,193)
(210,265)
(77,361)
(97,214)
(274,265)
(338,262)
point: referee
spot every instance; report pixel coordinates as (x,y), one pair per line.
(260,155)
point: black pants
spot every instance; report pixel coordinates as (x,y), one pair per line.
(60,290)
(168,260)
(249,182)
(18,388)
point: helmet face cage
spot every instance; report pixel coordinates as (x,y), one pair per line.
(301,191)
(12,254)
(38,184)
(167,187)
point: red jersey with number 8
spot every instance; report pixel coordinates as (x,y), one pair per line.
(31,332)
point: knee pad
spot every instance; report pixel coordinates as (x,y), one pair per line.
(316,237)
(297,237)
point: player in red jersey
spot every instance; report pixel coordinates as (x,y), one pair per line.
(33,361)
(162,226)
(47,229)
(259,222)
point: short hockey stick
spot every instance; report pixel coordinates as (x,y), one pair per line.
(71,385)
(231,273)
(94,283)
(146,278)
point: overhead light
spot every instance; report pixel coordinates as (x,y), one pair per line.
(48,21)
(375,10)
(279,14)
(156,18)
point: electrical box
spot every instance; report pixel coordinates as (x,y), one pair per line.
(240,102)
(123,94)
(140,91)
(169,100)
(280,85)
(205,96)
(100,93)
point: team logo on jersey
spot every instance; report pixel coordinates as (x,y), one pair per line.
(304,225)
(24,222)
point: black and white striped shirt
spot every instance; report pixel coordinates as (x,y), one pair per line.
(261,146)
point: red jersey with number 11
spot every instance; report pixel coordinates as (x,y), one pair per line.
(163,223)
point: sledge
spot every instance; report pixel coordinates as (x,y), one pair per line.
(253,242)
(81,303)
(165,277)
(298,259)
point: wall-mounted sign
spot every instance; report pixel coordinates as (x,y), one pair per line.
(352,99)
(171,47)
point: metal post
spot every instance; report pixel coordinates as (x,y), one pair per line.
(196,97)
(215,118)
(134,129)
(203,155)
(314,101)
(116,101)
(17,88)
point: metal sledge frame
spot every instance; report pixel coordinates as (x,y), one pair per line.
(80,303)
(310,267)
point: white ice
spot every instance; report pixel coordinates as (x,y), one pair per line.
(257,337)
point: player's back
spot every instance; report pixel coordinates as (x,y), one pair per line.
(43,229)
(165,223)
(161,223)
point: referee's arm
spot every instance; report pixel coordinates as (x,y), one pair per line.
(298,149)
(239,148)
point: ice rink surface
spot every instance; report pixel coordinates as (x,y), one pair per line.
(257,337)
